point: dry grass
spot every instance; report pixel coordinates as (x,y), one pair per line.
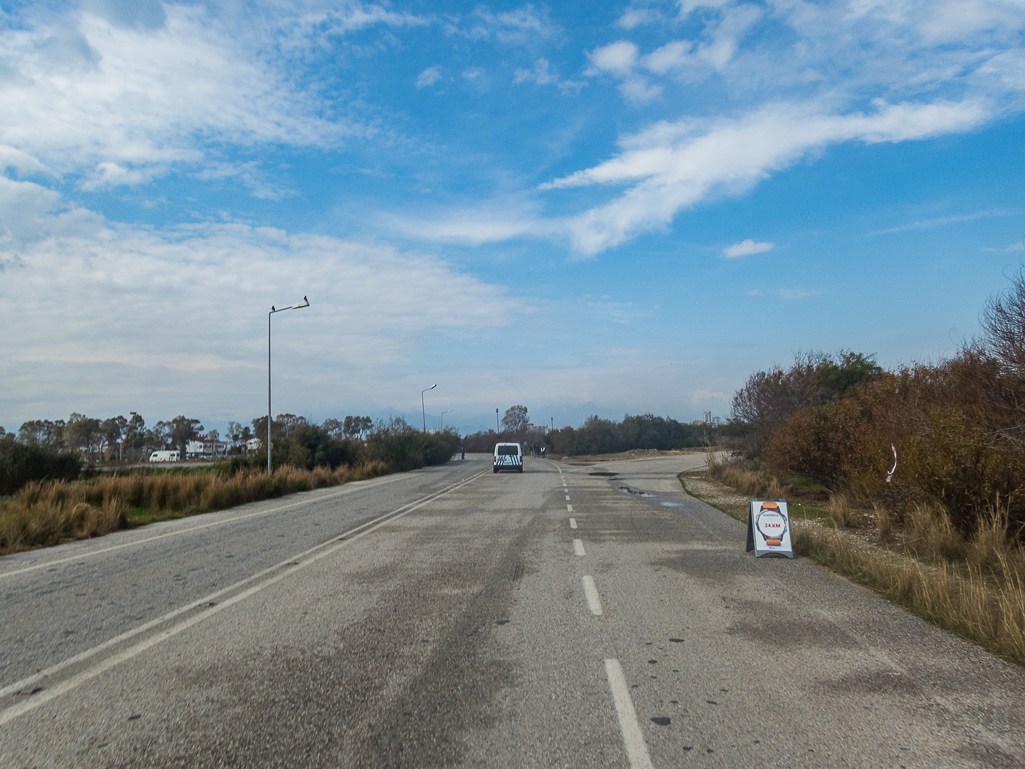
(748,482)
(884,524)
(839,510)
(45,514)
(930,534)
(965,604)
(973,586)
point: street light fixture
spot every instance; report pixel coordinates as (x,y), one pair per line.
(443,413)
(423,413)
(298,306)
(496,423)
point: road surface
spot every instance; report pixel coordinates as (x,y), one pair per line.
(571,616)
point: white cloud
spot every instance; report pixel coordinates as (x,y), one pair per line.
(428,77)
(541,74)
(475,227)
(940,221)
(672,166)
(29,211)
(250,175)
(672,56)
(617,58)
(182,311)
(521,26)
(746,248)
(638,17)
(121,103)
(687,7)
(1013,248)
(111,175)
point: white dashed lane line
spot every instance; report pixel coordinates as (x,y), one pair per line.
(591,593)
(633,737)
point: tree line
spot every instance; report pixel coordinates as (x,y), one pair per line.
(957,425)
(59,449)
(597,435)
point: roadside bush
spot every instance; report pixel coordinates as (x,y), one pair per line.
(957,435)
(21,464)
(841,445)
(770,398)
(405,448)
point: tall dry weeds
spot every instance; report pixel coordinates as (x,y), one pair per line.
(884,523)
(930,534)
(839,510)
(44,514)
(965,604)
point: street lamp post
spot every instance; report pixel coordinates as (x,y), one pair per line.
(423,413)
(443,413)
(496,423)
(298,306)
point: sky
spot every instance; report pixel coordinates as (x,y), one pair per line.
(600,208)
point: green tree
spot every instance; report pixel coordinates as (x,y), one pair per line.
(32,433)
(113,431)
(82,433)
(135,433)
(183,429)
(357,427)
(159,436)
(515,419)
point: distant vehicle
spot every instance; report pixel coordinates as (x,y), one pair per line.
(508,456)
(163,456)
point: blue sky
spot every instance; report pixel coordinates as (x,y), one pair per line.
(610,208)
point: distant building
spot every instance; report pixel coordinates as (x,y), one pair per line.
(206,448)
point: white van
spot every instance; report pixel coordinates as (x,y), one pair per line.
(508,456)
(163,456)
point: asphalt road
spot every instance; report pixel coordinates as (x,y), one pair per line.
(453,617)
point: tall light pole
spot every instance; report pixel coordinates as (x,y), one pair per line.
(496,423)
(304,303)
(443,413)
(423,413)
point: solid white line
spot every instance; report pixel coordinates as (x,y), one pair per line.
(578,547)
(347,489)
(633,737)
(312,556)
(593,600)
(569,508)
(572,523)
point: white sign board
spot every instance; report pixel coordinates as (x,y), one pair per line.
(768,528)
